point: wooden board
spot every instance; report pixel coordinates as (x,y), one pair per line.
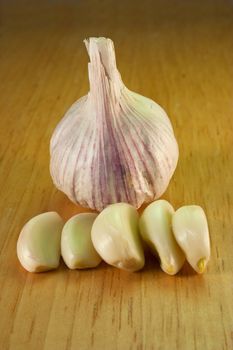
(179,53)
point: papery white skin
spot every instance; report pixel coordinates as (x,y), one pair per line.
(77,249)
(113,145)
(191,231)
(115,236)
(156,230)
(39,242)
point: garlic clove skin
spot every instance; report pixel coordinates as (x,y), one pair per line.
(38,245)
(77,248)
(113,145)
(116,238)
(191,231)
(156,230)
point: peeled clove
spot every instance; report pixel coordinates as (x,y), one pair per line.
(38,246)
(77,248)
(115,236)
(156,230)
(192,234)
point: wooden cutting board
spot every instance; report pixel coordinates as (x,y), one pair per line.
(177,53)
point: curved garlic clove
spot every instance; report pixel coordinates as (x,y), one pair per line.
(38,245)
(116,237)
(156,230)
(192,234)
(113,145)
(77,248)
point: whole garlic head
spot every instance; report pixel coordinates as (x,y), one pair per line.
(113,145)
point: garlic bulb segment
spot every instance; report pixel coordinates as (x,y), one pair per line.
(156,230)
(115,236)
(77,248)
(38,246)
(113,145)
(192,234)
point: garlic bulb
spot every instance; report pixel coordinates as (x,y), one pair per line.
(113,145)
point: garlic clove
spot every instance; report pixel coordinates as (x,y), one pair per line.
(156,230)
(192,234)
(77,248)
(113,145)
(115,236)
(38,245)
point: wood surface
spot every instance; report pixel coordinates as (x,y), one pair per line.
(179,53)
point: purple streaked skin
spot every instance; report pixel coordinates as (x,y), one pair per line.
(114,145)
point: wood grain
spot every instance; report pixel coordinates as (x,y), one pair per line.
(179,53)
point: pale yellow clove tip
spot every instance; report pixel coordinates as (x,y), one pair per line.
(201,265)
(169,269)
